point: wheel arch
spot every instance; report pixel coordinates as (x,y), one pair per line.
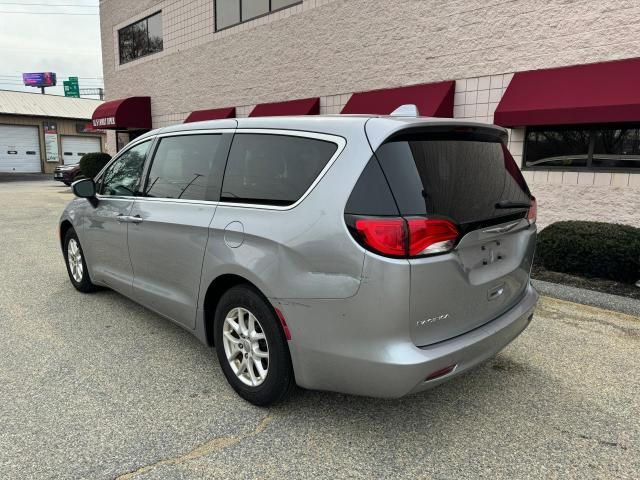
(214,292)
(65,226)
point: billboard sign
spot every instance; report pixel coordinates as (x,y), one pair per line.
(39,79)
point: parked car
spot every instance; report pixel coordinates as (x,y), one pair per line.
(66,173)
(376,256)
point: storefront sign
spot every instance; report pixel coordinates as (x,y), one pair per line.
(51,141)
(104,122)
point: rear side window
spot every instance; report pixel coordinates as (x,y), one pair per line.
(187,167)
(459,176)
(273,169)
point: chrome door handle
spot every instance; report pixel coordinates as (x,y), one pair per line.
(128,218)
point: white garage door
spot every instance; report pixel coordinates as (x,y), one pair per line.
(73,148)
(19,149)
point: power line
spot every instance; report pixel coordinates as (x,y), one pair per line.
(48,5)
(50,13)
(19,76)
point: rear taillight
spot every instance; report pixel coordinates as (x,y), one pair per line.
(428,236)
(532,214)
(386,236)
(399,237)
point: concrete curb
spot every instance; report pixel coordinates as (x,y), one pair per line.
(607,301)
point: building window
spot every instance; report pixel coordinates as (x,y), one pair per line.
(608,147)
(141,38)
(233,12)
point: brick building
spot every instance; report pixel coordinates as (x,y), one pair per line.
(558,74)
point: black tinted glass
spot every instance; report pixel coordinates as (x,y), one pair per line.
(371,195)
(557,148)
(123,176)
(616,148)
(457,176)
(273,169)
(185,167)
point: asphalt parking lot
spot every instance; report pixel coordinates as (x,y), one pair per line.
(94,386)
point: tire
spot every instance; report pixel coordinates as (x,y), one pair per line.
(259,388)
(76,263)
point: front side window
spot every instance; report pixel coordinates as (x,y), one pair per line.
(123,175)
(593,147)
(185,167)
(233,12)
(141,38)
(273,169)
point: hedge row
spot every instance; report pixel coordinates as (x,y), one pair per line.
(591,249)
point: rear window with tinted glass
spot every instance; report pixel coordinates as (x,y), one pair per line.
(461,176)
(273,169)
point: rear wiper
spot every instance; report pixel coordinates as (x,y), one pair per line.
(510,204)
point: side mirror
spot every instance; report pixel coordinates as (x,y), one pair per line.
(85,188)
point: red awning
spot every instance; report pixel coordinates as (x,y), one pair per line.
(305,106)
(592,93)
(212,114)
(432,100)
(133,113)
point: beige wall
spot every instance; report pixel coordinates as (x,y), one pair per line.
(66,127)
(331,48)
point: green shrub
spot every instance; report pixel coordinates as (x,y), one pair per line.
(591,249)
(92,163)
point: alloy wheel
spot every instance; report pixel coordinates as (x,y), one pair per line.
(245,346)
(74,257)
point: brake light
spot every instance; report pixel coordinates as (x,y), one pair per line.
(532,214)
(386,236)
(399,237)
(427,236)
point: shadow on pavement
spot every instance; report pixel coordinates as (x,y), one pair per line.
(24,177)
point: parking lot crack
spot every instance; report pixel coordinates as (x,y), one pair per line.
(200,451)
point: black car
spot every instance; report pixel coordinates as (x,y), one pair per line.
(66,173)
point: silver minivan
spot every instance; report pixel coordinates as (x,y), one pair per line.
(368,255)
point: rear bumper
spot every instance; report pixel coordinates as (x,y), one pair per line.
(398,367)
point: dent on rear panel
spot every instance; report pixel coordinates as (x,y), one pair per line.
(307,269)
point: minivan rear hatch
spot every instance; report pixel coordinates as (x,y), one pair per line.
(467,176)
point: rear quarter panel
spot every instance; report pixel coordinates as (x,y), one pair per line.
(302,252)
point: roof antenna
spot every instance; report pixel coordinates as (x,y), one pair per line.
(408,110)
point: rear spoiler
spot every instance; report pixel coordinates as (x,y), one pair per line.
(382,129)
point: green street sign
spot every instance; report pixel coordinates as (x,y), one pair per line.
(71,87)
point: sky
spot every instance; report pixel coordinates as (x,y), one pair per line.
(61,36)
